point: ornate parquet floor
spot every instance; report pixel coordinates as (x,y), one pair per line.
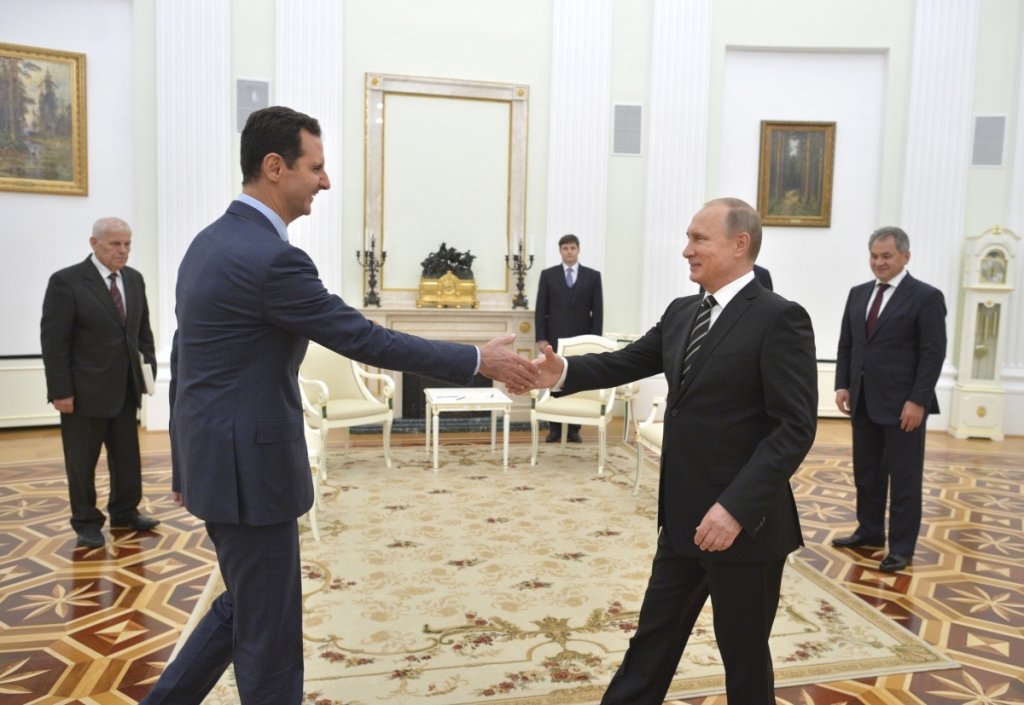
(96,626)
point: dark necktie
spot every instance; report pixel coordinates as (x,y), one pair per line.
(568,278)
(876,306)
(116,293)
(700,329)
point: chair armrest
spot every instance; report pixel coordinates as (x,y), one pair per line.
(651,420)
(388,388)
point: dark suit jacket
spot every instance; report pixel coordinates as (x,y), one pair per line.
(903,357)
(563,312)
(247,305)
(762,276)
(87,352)
(739,426)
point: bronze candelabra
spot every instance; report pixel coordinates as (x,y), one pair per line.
(367,259)
(519,265)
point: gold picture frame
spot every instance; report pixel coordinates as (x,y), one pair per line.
(42,121)
(794,186)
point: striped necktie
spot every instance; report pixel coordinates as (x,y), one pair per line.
(700,329)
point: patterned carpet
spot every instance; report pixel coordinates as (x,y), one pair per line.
(524,587)
(81,626)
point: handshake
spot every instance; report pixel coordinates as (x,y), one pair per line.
(519,375)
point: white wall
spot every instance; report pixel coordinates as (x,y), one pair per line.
(42,233)
(813,266)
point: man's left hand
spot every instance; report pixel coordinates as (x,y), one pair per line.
(176,498)
(717,530)
(912,416)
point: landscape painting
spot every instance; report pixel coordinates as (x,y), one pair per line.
(795,178)
(42,121)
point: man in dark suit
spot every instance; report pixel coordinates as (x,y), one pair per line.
(891,348)
(569,302)
(741,416)
(95,323)
(248,303)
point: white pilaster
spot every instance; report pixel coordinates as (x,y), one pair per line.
(1013,360)
(193,152)
(677,147)
(581,62)
(308,78)
(938,155)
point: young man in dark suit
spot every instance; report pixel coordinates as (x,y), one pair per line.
(569,302)
(891,347)
(248,303)
(95,323)
(740,417)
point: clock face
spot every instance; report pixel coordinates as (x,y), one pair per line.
(993,268)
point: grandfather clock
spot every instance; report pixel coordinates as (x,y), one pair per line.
(987,282)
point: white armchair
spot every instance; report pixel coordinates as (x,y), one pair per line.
(649,434)
(337,386)
(590,408)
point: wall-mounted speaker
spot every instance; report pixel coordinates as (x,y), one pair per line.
(250,96)
(989,139)
(627,131)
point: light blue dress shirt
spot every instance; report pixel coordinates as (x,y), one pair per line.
(274,218)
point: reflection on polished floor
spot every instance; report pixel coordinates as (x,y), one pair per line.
(96,626)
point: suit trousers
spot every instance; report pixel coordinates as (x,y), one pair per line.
(82,437)
(556,428)
(888,461)
(255,624)
(744,596)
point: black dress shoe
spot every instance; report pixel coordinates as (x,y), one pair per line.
(856,541)
(552,438)
(574,437)
(893,563)
(136,523)
(91,538)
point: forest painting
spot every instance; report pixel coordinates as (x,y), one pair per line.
(795,178)
(42,121)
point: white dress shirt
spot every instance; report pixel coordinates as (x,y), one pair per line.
(722,298)
(886,295)
(105,273)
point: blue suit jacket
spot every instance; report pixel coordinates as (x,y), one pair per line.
(902,360)
(247,305)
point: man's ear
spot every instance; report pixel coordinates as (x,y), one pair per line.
(273,167)
(742,244)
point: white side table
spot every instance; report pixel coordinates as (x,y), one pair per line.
(467,399)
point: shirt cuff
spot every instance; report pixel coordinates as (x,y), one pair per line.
(477,370)
(561,380)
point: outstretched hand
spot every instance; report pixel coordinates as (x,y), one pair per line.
(549,368)
(499,363)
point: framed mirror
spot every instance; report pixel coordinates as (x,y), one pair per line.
(445,163)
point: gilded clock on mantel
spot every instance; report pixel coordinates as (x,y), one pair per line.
(987,282)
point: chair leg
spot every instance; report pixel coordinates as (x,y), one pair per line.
(602,434)
(323,457)
(312,510)
(387,442)
(639,466)
(533,439)
(565,436)
(625,421)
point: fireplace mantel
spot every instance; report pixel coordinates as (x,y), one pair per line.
(470,326)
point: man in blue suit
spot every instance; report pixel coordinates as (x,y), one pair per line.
(891,347)
(247,305)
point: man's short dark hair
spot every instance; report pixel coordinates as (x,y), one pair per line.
(566,239)
(273,130)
